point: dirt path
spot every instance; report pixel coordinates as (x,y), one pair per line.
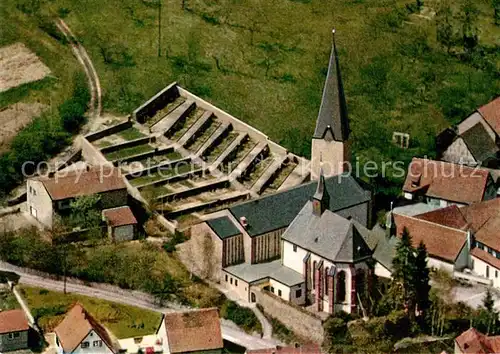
(95,106)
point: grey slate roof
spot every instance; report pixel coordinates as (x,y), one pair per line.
(385,251)
(275,270)
(332,116)
(223,227)
(278,210)
(479,142)
(329,235)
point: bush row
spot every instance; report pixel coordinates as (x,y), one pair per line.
(44,137)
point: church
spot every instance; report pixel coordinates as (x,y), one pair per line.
(309,245)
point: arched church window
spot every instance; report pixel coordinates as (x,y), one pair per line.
(327,270)
(313,273)
(341,287)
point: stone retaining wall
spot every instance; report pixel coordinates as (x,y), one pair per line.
(300,321)
(157,102)
(108,131)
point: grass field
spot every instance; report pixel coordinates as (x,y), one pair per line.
(265,62)
(122,320)
(7,300)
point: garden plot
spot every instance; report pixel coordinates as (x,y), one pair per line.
(15,117)
(129,151)
(280,177)
(19,65)
(123,136)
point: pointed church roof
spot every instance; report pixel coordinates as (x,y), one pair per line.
(332,116)
(320,189)
(329,236)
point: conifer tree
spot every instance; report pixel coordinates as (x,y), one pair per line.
(405,270)
(422,278)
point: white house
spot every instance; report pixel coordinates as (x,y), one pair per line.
(79,332)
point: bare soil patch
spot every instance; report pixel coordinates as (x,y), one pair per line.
(19,65)
(15,117)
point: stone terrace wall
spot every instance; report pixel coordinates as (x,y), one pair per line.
(91,154)
(109,131)
(237,124)
(157,102)
(299,320)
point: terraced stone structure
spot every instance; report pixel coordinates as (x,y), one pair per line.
(186,157)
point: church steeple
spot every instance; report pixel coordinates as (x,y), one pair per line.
(330,146)
(321,199)
(332,122)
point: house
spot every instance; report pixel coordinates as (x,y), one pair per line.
(121,223)
(305,349)
(457,238)
(79,332)
(454,254)
(474,342)
(14,330)
(443,183)
(475,140)
(196,331)
(50,196)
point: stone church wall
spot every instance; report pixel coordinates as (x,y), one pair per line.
(302,322)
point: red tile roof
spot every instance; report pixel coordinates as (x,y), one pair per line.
(305,349)
(441,241)
(83,182)
(75,327)
(491,113)
(446,181)
(120,216)
(13,321)
(474,342)
(197,330)
(483,219)
(478,214)
(450,216)
(485,257)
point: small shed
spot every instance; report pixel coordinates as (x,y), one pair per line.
(121,223)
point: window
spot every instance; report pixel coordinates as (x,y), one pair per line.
(236,282)
(272,289)
(472,264)
(226,278)
(17,335)
(279,292)
(295,248)
(96,343)
(496,273)
(487,271)
(341,287)
(85,345)
(298,293)
(231,281)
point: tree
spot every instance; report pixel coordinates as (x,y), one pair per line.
(404,275)
(496,9)
(489,313)
(445,32)
(85,212)
(422,278)
(469,29)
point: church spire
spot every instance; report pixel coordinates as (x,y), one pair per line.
(332,122)
(321,199)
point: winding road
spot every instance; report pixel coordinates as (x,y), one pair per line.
(135,298)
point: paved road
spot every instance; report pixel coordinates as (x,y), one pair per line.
(135,298)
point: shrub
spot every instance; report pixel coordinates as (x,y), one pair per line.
(9,276)
(242,316)
(177,238)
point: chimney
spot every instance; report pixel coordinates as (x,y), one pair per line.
(244,222)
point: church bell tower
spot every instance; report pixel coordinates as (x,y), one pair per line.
(330,142)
